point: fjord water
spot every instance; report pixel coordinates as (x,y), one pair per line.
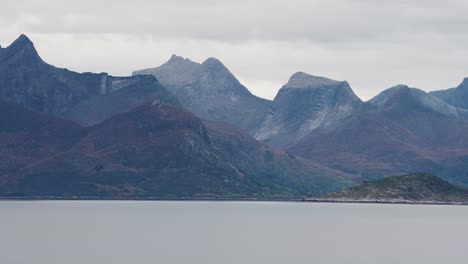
(53,232)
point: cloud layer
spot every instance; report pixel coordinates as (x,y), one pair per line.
(372,44)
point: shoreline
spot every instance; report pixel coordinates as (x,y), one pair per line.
(210,199)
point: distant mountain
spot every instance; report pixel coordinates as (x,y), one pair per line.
(155,150)
(422,98)
(86,98)
(457,97)
(407,188)
(398,132)
(210,91)
(132,138)
(305,104)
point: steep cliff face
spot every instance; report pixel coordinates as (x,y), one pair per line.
(210,91)
(86,98)
(305,104)
(118,95)
(26,79)
(457,97)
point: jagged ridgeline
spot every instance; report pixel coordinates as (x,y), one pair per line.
(315,136)
(211,91)
(402,130)
(86,98)
(302,105)
(133,140)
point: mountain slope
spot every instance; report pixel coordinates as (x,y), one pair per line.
(26,137)
(412,187)
(425,99)
(155,150)
(210,91)
(457,97)
(304,104)
(402,135)
(83,97)
(255,158)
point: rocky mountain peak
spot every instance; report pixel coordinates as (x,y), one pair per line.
(401,87)
(22,39)
(301,80)
(388,94)
(213,62)
(211,91)
(404,90)
(304,104)
(315,88)
(216,68)
(464,84)
(21,47)
(177,59)
(182,73)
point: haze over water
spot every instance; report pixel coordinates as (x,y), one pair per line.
(76,232)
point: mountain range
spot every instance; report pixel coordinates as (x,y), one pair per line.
(398,132)
(156,149)
(303,104)
(186,129)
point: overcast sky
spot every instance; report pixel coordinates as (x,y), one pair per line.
(373,44)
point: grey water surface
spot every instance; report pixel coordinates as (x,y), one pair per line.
(170,232)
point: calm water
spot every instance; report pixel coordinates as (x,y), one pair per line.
(49,232)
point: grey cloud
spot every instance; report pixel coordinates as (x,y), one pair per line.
(328,21)
(372,44)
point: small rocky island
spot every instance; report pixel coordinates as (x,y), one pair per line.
(411,188)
